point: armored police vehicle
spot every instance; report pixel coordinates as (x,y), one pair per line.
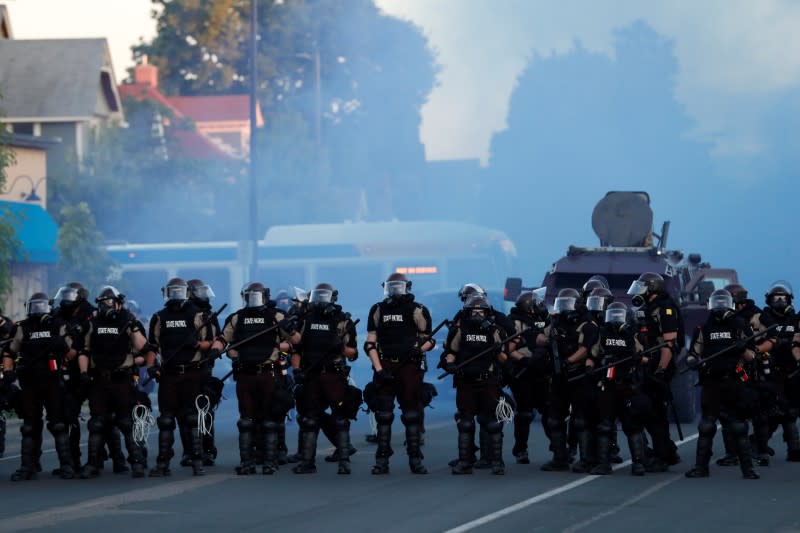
(623,221)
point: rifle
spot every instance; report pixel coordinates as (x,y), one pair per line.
(726,350)
(484,352)
(621,361)
(189,338)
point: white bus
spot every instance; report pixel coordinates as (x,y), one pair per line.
(354,257)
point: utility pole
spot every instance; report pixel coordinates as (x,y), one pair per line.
(253,196)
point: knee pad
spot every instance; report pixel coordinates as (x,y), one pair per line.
(166,423)
(738,427)
(246,424)
(270,426)
(466,425)
(384,403)
(605,426)
(524,417)
(492,426)
(309,424)
(56,427)
(384,417)
(28,430)
(342,424)
(96,424)
(411,417)
(124,423)
(706,427)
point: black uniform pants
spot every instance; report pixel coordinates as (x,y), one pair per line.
(177,392)
(41,390)
(323,390)
(406,387)
(254,393)
(623,401)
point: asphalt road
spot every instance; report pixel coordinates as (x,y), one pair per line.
(525,499)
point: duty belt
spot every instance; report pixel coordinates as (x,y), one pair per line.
(483,376)
(400,359)
(114,373)
(267,367)
(182,369)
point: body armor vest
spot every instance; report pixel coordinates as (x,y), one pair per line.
(396,329)
(110,343)
(176,334)
(250,321)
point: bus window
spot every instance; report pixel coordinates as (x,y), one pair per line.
(144,287)
(219,280)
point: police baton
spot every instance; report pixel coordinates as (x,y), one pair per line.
(193,336)
(621,361)
(726,350)
(491,348)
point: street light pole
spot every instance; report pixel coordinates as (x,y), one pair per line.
(252,200)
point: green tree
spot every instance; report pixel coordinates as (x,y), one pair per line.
(80,245)
(9,245)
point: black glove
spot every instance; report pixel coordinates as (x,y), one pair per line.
(299,376)
(9,377)
(214,353)
(450,368)
(289,325)
(659,373)
(85,380)
(415,352)
(382,376)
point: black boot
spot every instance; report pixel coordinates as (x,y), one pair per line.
(61,438)
(636,445)
(792,437)
(270,429)
(186,443)
(343,445)
(308,449)
(412,420)
(166,439)
(705,442)
(485,447)
(2,434)
(760,439)
(603,441)
(197,445)
(472,458)
(97,433)
(283,451)
(114,443)
(295,457)
(495,430)
(558,443)
(384,451)
(742,446)
(246,446)
(730,458)
(466,446)
(522,430)
(586,446)
(28,453)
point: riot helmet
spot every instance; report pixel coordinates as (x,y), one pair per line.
(323,295)
(283,301)
(133,307)
(779,297)
(200,292)
(532,302)
(616,314)
(37,305)
(396,285)
(599,300)
(176,290)
(66,298)
(477,309)
(647,284)
(465,292)
(738,292)
(720,303)
(566,302)
(591,285)
(108,301)
(255,295)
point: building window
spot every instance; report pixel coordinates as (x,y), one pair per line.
(24,128)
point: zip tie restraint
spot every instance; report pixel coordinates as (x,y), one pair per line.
(205,415)
(143,423)
(503,412)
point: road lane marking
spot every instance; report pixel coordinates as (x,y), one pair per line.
(623,505)
(108,504)
(491,517)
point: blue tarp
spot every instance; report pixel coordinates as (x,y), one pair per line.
(36,230)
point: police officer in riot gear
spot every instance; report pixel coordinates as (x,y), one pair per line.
(264,332)
(528,376)
(784,352)
(620,393)
(283,301)
(573,333)
(107,358)
(327,339)
(177,332)
(662,323)
(723,394)
(40,346)
(597,302)
(397,339)
(477,381)
(200,295)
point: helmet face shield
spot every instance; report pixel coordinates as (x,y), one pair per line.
(175,293)
(596,303)
(720,302)
(321,296)
(394,288)
(637,288)
(616,315)
(203,292)
(564,304)
(38,307)
(66,297)
(253,299)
